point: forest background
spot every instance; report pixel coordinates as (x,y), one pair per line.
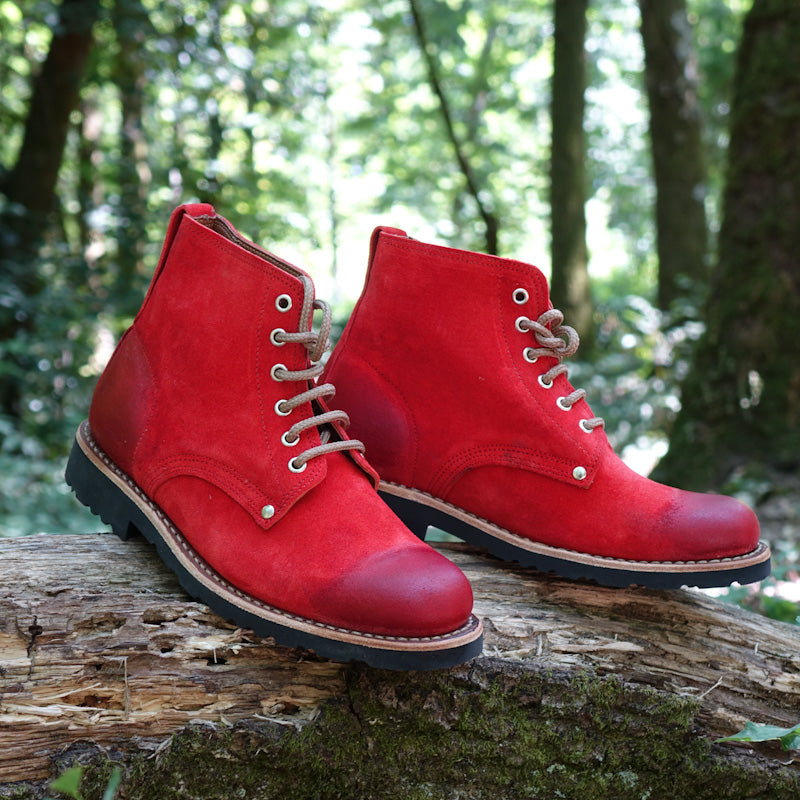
(645,155)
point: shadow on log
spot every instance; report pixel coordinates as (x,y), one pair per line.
(581,692)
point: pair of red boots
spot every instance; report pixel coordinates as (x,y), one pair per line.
(214,432)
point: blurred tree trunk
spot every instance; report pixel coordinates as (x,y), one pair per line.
(89,188)
(741,400)
(30,186)
(32,181)
(570,287)
(677,147)
(490,220)
(132,27)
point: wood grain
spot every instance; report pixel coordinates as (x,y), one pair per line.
(98,642)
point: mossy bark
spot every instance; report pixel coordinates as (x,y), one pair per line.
(488,730)
(741,400)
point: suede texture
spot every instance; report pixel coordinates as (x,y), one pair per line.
(186,407)
(430,369)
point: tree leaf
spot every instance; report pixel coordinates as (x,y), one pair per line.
(69,783)
(754,732)
(113,783)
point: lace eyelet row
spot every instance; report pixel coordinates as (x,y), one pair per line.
(315,344)
(282,412)
(521,296)
(283,303)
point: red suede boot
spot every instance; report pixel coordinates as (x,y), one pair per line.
(451,369)
(207,434)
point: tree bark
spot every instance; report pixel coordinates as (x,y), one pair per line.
(570,288)
(582,691)
(677,147)
(741,399)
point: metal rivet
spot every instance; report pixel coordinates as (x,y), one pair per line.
(268,512)
(579,473)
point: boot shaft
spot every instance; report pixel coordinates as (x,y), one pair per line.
(191,388)
(438,343)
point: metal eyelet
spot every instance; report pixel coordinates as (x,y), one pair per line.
(289,442)
(579,473)
(517,324)
(293,468)
(527,354)
(583,426)
(560,403)
(283,302)
(520,296)
(274,340)
(544,384)
(275,369)
(279,411)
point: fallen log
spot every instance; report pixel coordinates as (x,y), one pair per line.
(581,691)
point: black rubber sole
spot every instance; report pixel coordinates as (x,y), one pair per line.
(98,483)
(419,515)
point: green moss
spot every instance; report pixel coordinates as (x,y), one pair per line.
(480,732)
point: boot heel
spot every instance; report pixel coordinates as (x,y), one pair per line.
(99,494)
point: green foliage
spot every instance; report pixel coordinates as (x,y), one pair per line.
(493,62)
(642,354)
(754,732)
(69,783)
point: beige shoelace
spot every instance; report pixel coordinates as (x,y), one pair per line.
(556,341)
(316,344)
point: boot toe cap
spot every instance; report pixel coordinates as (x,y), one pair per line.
(714,526)
(409,592)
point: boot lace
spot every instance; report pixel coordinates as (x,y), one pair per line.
(316,343)
(559,341)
